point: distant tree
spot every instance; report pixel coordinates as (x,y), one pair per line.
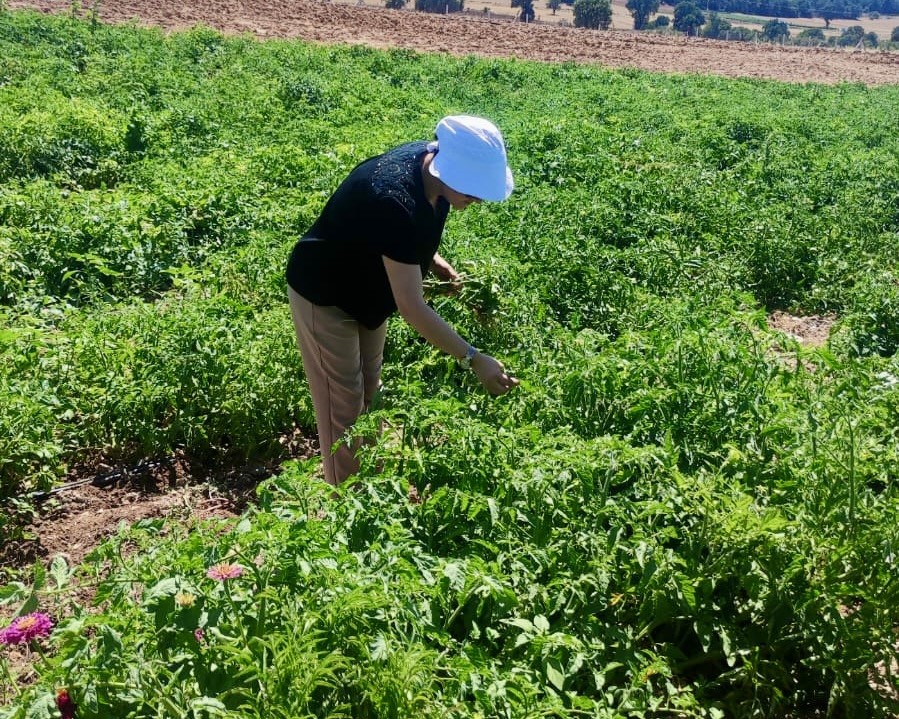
(894,36)
(527,13)
(688,18)
(554,5)
(593,14)
(780,8)
(744,34)
(831,9)
(811,36)
(716,28)
(439,6)
(775,30)
(851,36)
(641,10)
(828,11)
(661,21)
(871,39)
(395,4)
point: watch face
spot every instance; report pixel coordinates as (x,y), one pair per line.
(465,362)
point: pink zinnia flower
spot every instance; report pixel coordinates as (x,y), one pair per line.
(25,629)
(200,635)
(65,704)
(224,571)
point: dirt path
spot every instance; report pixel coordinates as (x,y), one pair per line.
(328,22)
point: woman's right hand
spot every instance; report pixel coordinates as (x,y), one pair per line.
(492,374)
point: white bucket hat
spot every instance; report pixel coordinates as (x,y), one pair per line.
(471,158)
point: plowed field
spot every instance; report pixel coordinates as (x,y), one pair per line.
(329,22)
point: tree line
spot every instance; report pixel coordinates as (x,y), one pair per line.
(702,19)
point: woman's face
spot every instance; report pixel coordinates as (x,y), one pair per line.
(458,200)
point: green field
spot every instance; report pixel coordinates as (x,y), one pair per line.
(680,513)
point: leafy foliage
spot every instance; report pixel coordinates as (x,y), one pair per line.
(852,36)
(641,10)
(439,6)
(811,36)
(527,13)
(592,14)
(681,512)
(688,18)
(775,30)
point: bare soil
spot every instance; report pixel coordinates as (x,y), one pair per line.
(96,498)
(491,35)
(810,330)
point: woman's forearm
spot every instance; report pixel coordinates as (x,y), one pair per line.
(424,320)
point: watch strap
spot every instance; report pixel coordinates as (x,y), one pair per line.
(465,362)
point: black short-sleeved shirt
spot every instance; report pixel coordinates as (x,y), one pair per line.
(380,209)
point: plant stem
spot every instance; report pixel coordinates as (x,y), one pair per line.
(11,682)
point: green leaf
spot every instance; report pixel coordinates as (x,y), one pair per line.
(244,526)
(29,605)
(554,675)
(59,571)
(208,705)
(728,649)
(167,587)
(456,575)
(522,623)
(703,628)
(13,592)
(111,641)
(687,591)
(40,576)
(379,649)
(494,510)
(44,707)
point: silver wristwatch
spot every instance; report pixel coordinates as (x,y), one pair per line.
(465,362)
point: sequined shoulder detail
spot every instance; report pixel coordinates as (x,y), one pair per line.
(394,174)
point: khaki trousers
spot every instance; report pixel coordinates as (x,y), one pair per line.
(342,360)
